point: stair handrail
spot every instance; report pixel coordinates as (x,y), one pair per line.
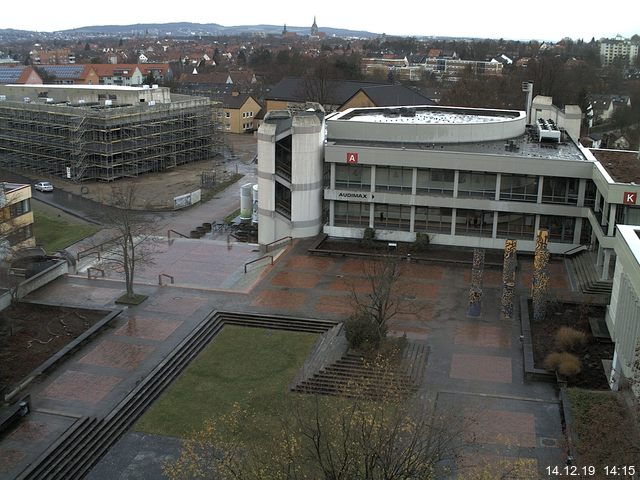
(257,259)
(573,250)
(287,238)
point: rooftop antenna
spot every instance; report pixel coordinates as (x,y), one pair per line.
(527,87)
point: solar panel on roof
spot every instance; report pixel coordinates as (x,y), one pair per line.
(10,75)
(63,72)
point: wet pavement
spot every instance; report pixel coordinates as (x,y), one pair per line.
(475,364)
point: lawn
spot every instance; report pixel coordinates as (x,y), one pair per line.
(56,234)
(251,366)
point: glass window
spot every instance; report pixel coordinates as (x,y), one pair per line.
(590,194)
(560,190)
(476,223)
(437,181)
(392,217)
(520,188)
(351,214)
(560,228)
(433,219)
(516,225)
(396,179)
(477,184)
(353,177)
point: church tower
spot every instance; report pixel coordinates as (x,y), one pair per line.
(314,28)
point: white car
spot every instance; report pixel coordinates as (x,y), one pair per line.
(44,187)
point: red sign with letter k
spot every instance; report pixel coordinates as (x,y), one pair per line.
(630,198)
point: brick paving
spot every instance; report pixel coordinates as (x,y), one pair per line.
(473,363)
(80,386)
(117,355)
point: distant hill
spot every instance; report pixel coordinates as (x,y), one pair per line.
(189,28)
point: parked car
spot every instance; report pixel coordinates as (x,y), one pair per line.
(44,187)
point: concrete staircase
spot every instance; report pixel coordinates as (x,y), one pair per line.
(587,278)
(353,376)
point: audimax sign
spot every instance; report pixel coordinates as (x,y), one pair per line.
(358,195)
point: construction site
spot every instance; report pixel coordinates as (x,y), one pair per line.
(101,133)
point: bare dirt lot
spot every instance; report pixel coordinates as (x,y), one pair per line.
(155,191)
(31,333)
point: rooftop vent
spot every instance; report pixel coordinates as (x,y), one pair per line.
(548,131)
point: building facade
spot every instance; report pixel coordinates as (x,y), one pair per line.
(618,47)
(466,177)
(101,132)
(16,217)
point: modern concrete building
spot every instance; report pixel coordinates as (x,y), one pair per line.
(16,217)
(101,132)
(467,177)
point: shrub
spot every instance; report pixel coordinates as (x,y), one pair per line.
(569,339)
(421,244)
(369,237)
(362,333)
(564,363)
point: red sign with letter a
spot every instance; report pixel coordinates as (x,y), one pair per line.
(352,157)
(630,198)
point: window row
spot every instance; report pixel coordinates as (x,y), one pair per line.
(476,223)
(513,187)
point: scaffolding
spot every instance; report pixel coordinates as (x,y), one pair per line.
(85,142)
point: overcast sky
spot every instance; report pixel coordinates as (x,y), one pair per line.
(537,19)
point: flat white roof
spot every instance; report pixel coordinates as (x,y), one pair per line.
(82,87)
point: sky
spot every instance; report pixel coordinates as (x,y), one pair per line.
(517,20)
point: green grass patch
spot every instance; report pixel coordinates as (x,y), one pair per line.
(229,218)
(604,428)
(56,234)
(250,366)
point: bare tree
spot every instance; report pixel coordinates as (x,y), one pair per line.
(134,244)
(393,438)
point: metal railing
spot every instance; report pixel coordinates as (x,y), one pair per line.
(287,238)
(170,277)
(177,233)
(573,250)
(257,260)
(96,269)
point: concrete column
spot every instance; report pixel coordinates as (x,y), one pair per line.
(332,212)
(614,375)
(414,182)
(605,211)
(536,227)
(412,221)
(456,179)
(540,185)
(453,221)
(599,256)
(494,231)
(498,180)
(612,219)
(372,208)
(373,180)
(332,182)
(605,264)
(596,208)
(582,189)
(577,231)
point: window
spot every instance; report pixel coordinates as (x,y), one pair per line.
(590,194)
(560,190)
(560,228)
(396,179)
(477,184)
(433,219)
(227,115)
(476,223)
(516,225)
(392,217)
(520,188)
(353,177)
(351,214)
(435,181)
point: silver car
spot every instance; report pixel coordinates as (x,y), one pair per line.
(44,187)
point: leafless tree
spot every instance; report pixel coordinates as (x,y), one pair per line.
(134,244)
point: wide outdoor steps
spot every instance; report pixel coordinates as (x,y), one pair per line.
(353,376)
(75,453)
(586,275)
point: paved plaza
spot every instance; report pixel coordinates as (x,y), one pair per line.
(475,364)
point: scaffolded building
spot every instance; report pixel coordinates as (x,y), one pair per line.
(99,132)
